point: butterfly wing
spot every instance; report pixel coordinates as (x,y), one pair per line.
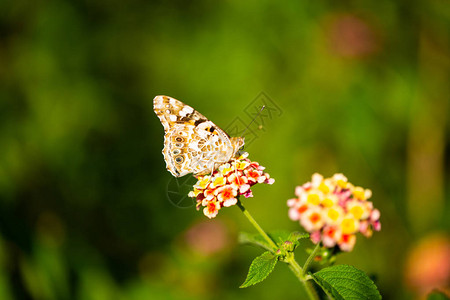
(192,143)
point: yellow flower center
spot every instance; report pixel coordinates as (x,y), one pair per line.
(314,199)
(358,193)
(333,214)
(357,211)
(324,188)
(203,182)
(327,202)
(348,226)
(342,184)
(226,171)
(241,165)
(219,181)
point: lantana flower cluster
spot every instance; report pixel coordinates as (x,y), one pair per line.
(332,210)
(231,180)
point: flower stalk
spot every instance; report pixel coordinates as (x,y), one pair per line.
(331,210)
(257,227)
(310,258)
(298,271)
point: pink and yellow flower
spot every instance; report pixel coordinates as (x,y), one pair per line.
(330,236)
(227,195)
(333,210)
(212,209)
(229,181)
(312,219)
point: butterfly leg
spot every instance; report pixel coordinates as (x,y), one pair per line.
(235,171)
(211,175)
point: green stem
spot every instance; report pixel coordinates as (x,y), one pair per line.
(299,273)
(293,265)
(256,225)
(310,258)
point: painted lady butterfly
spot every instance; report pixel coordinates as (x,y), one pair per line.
(192,143)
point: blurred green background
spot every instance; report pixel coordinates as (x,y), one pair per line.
(363,88)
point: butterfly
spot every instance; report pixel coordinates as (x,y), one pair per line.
(192,143)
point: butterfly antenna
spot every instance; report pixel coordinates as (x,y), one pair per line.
(259,112)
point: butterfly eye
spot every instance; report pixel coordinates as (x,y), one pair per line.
(178,145)
(179,139)
(179,159)
(176,152)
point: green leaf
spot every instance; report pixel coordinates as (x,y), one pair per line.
(279,236)
(254,239)
(437,295)
(346,282)
(260,268)
(296,236)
